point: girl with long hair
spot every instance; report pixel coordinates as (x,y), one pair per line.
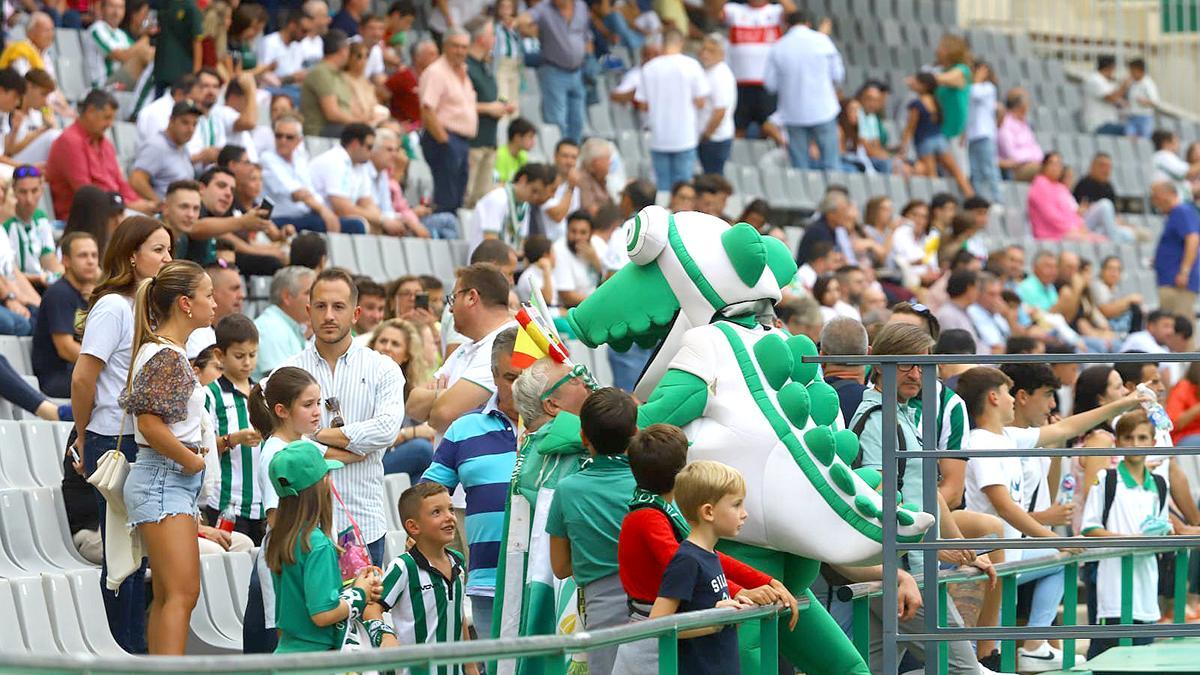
(97,213)
(413,450)
(139,247)
(924,130)
(166,400)
(303,558)
(283,408)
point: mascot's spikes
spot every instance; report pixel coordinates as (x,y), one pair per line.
(819,439)
(823,404)
(802,345)
(847,445)
(779,261)
(904,518)
(842,478)
(870,476)
(747,252)
(775,360)
(866,506)
(793,398)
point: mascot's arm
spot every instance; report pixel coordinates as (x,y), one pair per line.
(678,399)
(741,575)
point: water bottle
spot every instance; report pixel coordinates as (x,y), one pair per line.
(1066,489)
(1154,410)
(227,520)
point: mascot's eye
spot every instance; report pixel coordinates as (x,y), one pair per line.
(646,234)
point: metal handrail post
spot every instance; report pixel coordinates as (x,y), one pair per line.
(1008,618)
(768,645)
(933,600)
(862,626)
(1182,565)
(943,659)
(668,653)
(1070,609)
(1127,595)
(891,624)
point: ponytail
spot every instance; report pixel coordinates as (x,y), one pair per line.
(152,305)
(262,418)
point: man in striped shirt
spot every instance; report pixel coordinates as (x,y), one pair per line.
(363,395)
(479,451)
(423,587)
(112,57)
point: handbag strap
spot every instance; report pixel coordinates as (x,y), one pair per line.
(345,510)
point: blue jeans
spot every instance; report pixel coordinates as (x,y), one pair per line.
(256,637)
(562,100)
(313,223)
(481,614)
(126,608)
(375,550)
(289,90)
(1111,129)
(410,457)
(442,225)
(12,323)
(1140,125)
(824,135)
(985,169)
(1046,596)
(883,166)
(713,155)
(615,22)
(448,164)
(673,167)
(627,366)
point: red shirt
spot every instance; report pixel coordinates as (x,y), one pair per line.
(1183,396)
(76,160)
(406,102)
(645,546)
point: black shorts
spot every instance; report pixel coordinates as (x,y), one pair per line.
(755,104)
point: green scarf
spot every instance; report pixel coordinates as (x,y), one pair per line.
(643,499)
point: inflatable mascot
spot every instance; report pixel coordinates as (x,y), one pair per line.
(739,389)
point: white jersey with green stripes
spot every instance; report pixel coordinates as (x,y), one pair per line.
(953,427)
(100,41)
(425,607)
(238,486)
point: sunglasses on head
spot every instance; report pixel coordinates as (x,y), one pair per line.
(27,171)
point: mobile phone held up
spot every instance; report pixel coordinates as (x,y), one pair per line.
(422,301)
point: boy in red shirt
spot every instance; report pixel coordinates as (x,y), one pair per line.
(650,535)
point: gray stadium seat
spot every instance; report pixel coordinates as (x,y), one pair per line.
(18,537)
(341,250)
(10,348)
(8,607)
(462,251)
(63,620)
(394,264)
(89,606)
(239,565)
(600,366)
(390,514)
(14,463)
(441,254)
(393,486)
(48,515)
(62,430)
(416,254)
(44,454)
(366,251)
(69,63)
(217,588)
(259,287)
(393,544)
(204,636)
(33,616)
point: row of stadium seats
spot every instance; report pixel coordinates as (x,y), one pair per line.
(384,257)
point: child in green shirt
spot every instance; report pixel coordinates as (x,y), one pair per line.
(312,609)
(585,517)
(515,154)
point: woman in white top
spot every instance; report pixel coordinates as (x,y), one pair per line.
(172,431)
(981,134)
(138,248)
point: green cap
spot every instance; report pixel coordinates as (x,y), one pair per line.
(298,467)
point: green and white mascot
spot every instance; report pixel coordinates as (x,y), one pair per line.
(739,389)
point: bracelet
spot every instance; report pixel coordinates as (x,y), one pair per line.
(376,629)
(357,600)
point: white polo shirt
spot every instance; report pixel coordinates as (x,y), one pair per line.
(335,175)
(1132,505)
(473,361)
(288,58)
(154,116)
(572,273)
(984,472)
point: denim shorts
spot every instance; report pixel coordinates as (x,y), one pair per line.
(932,145)
(157,487)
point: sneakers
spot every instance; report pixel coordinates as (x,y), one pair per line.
(1042,660)
(990,663)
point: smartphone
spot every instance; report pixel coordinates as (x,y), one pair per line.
(74,454)
(422,301)
(267,207)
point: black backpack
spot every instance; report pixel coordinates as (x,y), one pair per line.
(901,460)
(1110,493)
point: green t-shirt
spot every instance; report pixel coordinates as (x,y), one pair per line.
(587,510)
(323,80)
(507,165)
(180,24)
(309,586)
(486,91)
(954,103)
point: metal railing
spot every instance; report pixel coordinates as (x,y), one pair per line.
(665,630)
(933,599)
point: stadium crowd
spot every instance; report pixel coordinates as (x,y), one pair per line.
(261,127)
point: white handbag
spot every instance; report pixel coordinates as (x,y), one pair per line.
(122,545)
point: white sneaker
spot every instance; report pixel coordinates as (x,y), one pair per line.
(1042,660)
(984,670)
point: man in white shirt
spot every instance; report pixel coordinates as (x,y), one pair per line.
(513,211)
(1103,99)
(238,115)
(1143,100)
(1160,327)
(312,46)
(627,88)
(110,55)
(716,117)
(1170,167)
(339,176)
(284,48)
(753,28)
(670,84)
(378,173)
(288,184)
(479,303)
(804,68)
(154,116)
(577,266)
(567,198)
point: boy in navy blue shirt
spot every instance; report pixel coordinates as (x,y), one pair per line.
(710,495)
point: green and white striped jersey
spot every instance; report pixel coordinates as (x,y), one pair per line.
(953,427)
(238,486)
(100,41)
(425,607)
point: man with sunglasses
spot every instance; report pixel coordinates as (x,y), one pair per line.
(339,178)
(29,230)
(479,303)
(288,183)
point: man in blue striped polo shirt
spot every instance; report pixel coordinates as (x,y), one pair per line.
(479,450)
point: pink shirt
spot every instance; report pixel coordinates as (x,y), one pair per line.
(76,160)
(449,92)
(1053,212)
(1015,141)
